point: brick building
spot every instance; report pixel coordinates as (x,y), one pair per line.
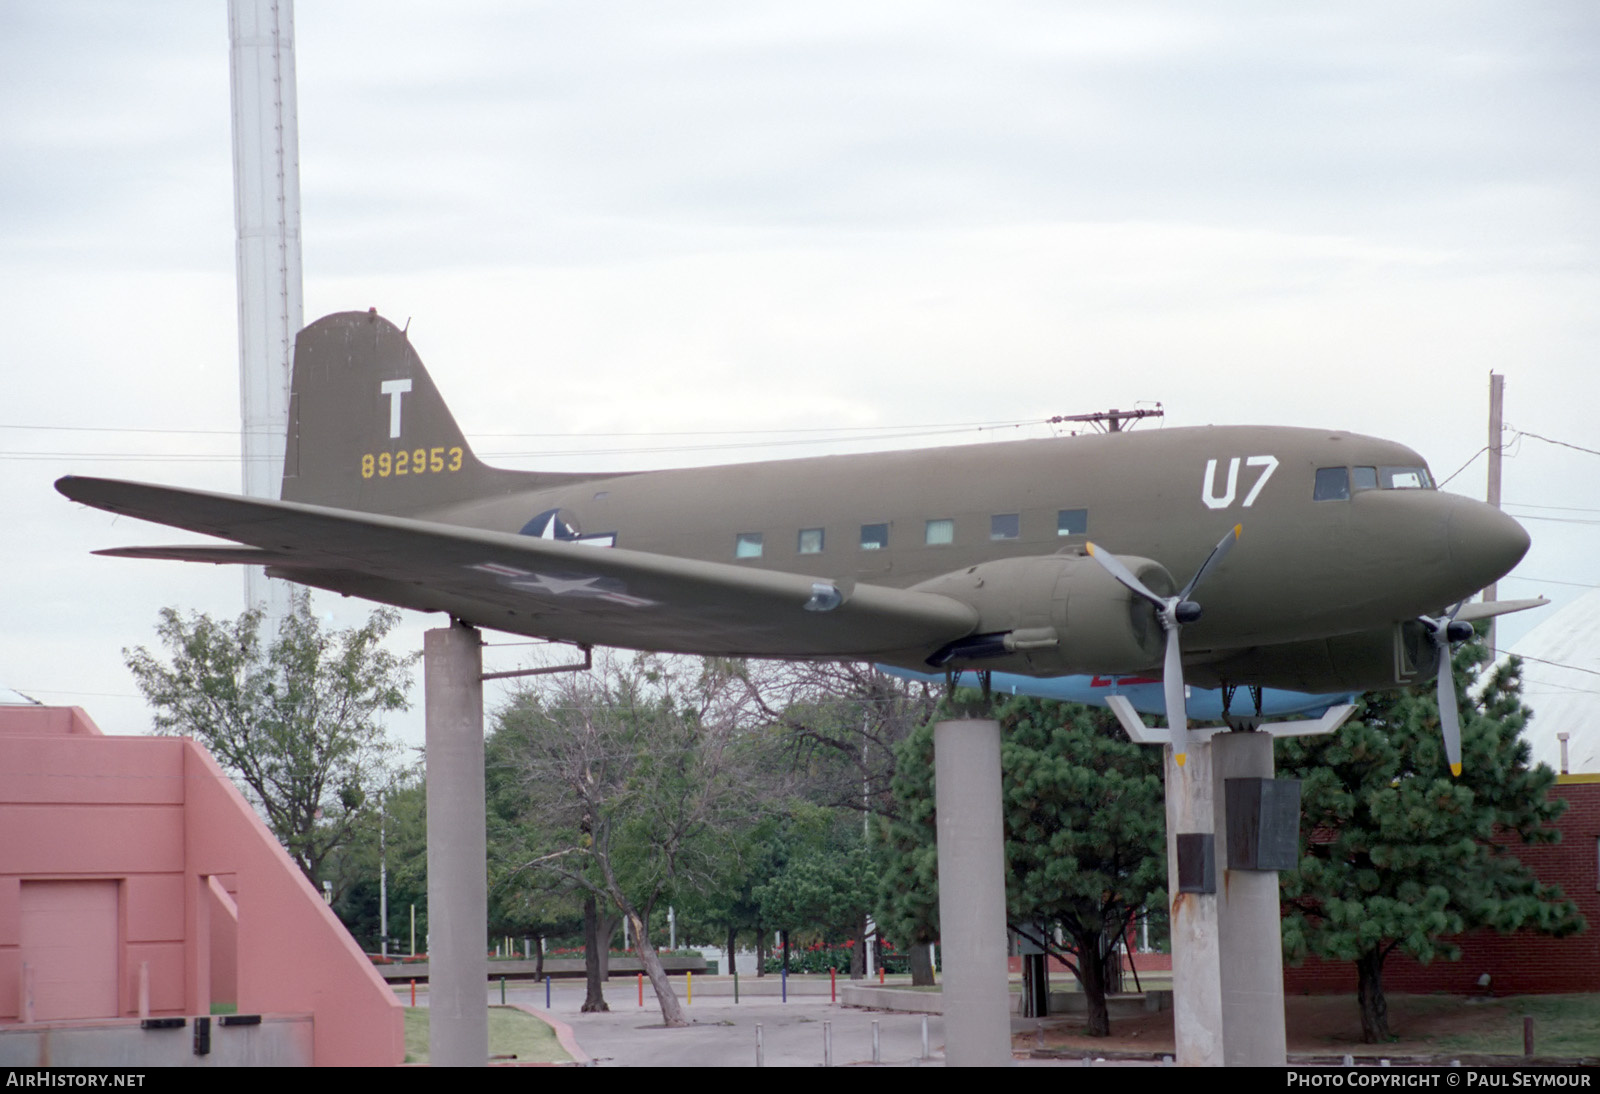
(1521,963)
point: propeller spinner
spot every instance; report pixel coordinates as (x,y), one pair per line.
(1174,612)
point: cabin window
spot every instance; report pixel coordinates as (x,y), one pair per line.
(811,541)
(1005,526)
(874,537)
(747,545)
(1403,478)
(940,533)
(1363,478)
(1333,484)
(1072,522)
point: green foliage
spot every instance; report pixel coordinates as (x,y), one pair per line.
(908,878)
(1084,831)
(399,835)
(820,958)
(1397,854)
(297,721)
(617,777)
(1085,820)
(824,886)
(626,784)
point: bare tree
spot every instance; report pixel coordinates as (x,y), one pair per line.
(843,720)
(631,783)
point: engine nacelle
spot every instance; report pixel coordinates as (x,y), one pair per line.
(1055,615)
(1399,655)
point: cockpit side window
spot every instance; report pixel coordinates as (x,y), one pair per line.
(1363,478)
(1404,478)
(1333,484)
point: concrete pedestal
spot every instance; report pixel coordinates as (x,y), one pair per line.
(972,893)
(1227,949)
(1196,968)
(458,894)
(1249,929)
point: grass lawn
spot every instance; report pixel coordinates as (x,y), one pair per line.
(511,1033)
(1423,1025)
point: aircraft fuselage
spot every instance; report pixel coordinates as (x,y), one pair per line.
(1305,569)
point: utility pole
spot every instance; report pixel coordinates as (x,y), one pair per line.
(1108,421)
(1497,393)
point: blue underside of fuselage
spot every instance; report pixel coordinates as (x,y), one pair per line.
(1202,704)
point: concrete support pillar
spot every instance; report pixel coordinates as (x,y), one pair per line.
(1196,970)
(1249,930)
(972,893)
(458,892)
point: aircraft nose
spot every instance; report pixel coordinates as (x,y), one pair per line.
(1484,543)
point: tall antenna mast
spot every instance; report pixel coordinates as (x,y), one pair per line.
(266,213)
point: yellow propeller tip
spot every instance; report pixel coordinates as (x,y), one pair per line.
(1455,769)
(1180,757)
(1238,530)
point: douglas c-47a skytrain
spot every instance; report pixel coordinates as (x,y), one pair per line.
(1326,561)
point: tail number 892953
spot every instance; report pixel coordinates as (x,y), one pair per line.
(411,461)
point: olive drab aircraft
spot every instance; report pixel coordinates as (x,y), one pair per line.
(1326,561)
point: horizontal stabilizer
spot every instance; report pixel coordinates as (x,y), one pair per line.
(222,554)
(1486,609)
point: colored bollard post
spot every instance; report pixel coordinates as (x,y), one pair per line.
(833,985)
(736,985)
(688,981)
(783,979)
(502,991)
(880,976)
(547,993)
(641,989)
(413,993)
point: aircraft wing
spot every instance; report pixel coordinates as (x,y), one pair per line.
(546,588)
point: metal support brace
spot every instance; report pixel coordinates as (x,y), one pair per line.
(588,663)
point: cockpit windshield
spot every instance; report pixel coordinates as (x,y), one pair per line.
(1338,483)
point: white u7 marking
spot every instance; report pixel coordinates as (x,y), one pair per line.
(394,389)
(1208,488)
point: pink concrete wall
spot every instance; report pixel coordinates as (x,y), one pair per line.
(158,816)
(293,952)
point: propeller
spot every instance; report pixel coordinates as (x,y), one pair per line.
(1447,631)
(1174,612)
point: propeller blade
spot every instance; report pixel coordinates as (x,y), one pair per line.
(1172,685)
(1116,569)
(1449,716)
(1449,712)
(1218,553)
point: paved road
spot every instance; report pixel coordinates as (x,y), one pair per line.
(724,1033)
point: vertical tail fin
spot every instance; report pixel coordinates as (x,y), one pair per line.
(369,431)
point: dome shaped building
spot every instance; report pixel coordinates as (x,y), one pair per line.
(1561,685)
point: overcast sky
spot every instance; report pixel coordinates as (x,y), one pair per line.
(689,218)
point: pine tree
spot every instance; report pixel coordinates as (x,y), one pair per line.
(1084,830)
(1397,854)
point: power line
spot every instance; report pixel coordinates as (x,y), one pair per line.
(1552,440)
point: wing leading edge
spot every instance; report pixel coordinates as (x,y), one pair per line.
(539,587)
